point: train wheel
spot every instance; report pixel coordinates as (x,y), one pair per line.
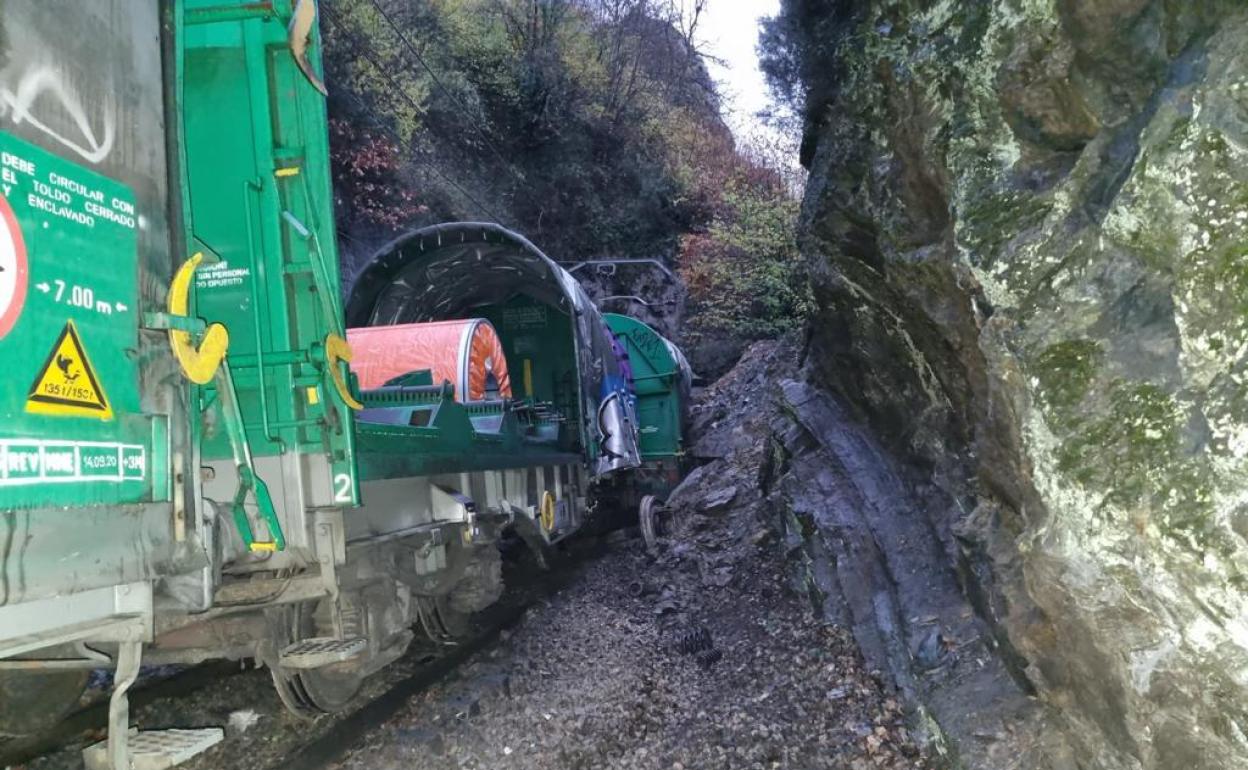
(290,691)
(309,693)
(442,623)
(331,688)
(457,622)
(33,701)
(648,517)
(544,554)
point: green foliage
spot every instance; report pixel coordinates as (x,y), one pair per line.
(548,116)
(745,273)
(797,51)
(589,125)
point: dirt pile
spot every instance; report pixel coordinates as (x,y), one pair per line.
(855,532)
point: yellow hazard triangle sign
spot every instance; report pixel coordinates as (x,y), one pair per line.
(66,384)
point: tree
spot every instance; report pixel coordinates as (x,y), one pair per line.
(745,275)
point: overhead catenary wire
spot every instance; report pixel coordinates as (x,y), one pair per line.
(412,157)
(369,56)
(407,43)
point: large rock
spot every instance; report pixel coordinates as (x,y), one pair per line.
(1028,226)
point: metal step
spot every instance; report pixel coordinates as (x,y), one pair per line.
(314,653)
(156,749)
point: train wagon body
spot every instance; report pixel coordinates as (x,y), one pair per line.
(189,467)
(661,381)
(96,453)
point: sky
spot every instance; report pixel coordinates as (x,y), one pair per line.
(729,31)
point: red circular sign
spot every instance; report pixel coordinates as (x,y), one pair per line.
(14,271)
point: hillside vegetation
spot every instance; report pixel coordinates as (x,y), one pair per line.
(590,126)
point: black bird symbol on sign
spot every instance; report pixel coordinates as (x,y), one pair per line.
(63,363)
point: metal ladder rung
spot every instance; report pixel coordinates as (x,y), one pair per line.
(156,749)
(318,652)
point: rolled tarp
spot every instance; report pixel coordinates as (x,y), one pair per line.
(467,353)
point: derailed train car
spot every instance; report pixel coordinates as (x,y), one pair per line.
(552,332)
(189,467)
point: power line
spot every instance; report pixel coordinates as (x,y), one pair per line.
(407,43)
(414,158)
(369,57)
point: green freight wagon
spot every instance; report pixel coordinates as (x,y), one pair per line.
(660,386)
(661,381)
(188,467)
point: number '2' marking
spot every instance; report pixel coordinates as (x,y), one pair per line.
(342,488)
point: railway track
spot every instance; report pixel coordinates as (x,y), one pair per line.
(338,740)
(93,717)
(280,741)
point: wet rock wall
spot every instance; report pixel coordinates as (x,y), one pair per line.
(1028,225)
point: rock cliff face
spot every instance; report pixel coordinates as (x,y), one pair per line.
(1028,226)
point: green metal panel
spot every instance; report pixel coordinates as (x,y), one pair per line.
(258,168)
(656,376)
(90,403)
(73,429)
(83,220)
(539,337)
(448,446)
(422,430)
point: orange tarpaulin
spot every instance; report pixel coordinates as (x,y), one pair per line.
(468,353)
